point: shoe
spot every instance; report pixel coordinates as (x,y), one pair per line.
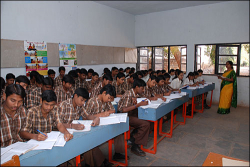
(137,150)
(119,156)
(106,163)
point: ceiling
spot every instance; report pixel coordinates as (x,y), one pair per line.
(144,7)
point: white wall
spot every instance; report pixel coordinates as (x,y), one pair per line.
(78,22)
(225,22)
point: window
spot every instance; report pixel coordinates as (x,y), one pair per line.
(212,58)
(144,57)
(163,57)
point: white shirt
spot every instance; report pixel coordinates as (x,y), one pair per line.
(199,79)
(188,82)
(145,78)
(176,83)
(171,78)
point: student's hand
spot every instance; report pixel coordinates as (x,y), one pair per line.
(170,91)
(78,126)
(68,136)
(154,98)
(105,114)
(134,100)
(163,98)
(96,121)
(41,137)
(143,103)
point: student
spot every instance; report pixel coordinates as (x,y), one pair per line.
(120,70)
(159,88)
(33,75)
(189,80)
(13,115)
(119,84)
(146,76)
(149,71)
(81,82)
(196,75)
(107,79)
(114,72)
(58,80)
(172,75)
(73,74)
(71,109)
(129,81)
(94,81)
(163,72)
(10,78)
(149,91)
(129,74)
(166,84)
(78,72)
(64,91)
(33,96)
(176,84)
(43,117)
(126,72)
(51,74)
(132,69)
(158,72)
(90,73)
(200,79)
(128,103)
(23,81)
(139,74)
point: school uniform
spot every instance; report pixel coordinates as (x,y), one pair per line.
(128,85)
(90,85)
(167,87)
(58,81)
(80,84)
(10,127)
(159,90)
(141,137)
(31,87)
(171,78)
(35,120)
(96,90)
(62,95)
(145,78)
(148,92)
(176,83)
(33,97)
(188,82)
(120,89)
(199,79)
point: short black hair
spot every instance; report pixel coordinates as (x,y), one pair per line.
(131,72)
(51,71)
(200,71)
(121,69)
(139,82)
(114,68)
(171,70)
(83,71)
(190,74)
(33,74)
(49,96)
(22,78)
(91,71)
(132,69)
(127,68)
(15,89)
(120,75)
(163,71)
(153,77)
(139,73)
(134,76)
(106,70)
(48,81)
(68,79)
(73,73)
(150,69)
(95,73)
(39,79)
(196,73)
(82,92)
(166,75)
(61,68)
(107,77)
(159,78)
(158,71)
(10,76)
(78,70)
(110,90)
(2,83)
(152,73)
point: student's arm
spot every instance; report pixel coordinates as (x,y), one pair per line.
(130,108)
(62,129)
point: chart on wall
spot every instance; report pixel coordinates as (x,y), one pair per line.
(67,55)
(36,57)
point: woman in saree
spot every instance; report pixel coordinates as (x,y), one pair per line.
(228,90)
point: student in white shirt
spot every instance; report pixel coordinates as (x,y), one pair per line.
(190,80)
(172,75)
(177,81)
(202,81)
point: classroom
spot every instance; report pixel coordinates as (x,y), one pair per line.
(125,74)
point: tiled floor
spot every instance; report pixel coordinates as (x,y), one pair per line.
(191,143)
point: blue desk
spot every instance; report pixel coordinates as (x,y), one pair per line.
(195,92)
(81,142)
(152,114)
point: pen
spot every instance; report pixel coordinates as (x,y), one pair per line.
(78,122)
(41,133)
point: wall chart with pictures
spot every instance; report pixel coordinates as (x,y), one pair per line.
(67,56)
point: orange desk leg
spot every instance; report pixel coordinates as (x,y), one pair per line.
(211,99)
(78,158)
(192,112)
(200,111)
(126,152)
(152,149)
(171,126)
(183,115)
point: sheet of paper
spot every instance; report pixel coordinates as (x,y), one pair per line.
(121,116)
(42,145)
(52,136)
(231,162)
(173,96)
(183,93)
(87,79)
(21,147)
(209,83)
(140,99)
(108,120)
(8,156)
(184,87)
(192,87)
(86,129)
(60,141)
(151,106)
(205,84)
(4,150)
(84,122)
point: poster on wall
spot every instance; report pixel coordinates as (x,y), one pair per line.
(36,57)
(67,56)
